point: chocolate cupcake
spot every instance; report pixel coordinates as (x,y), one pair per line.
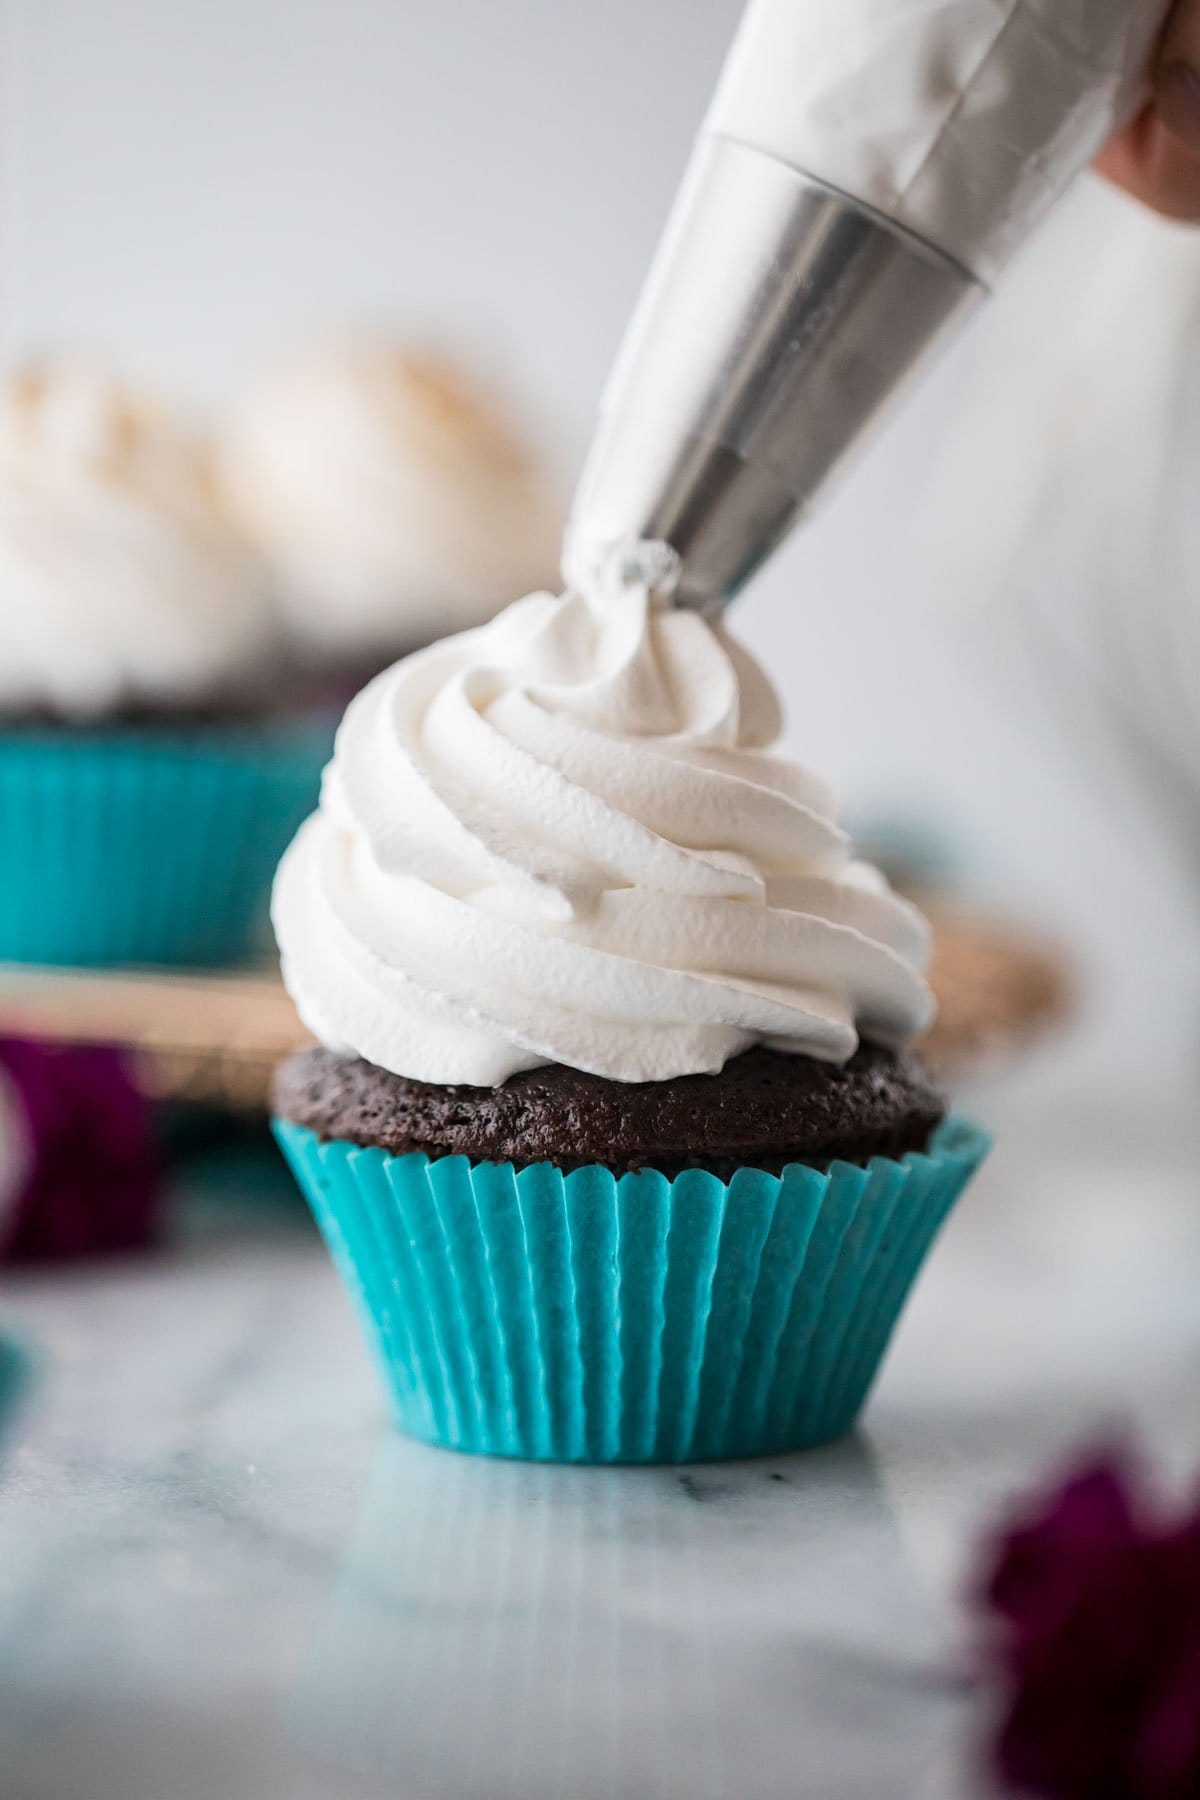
(765,1109)
(149,774)
(613,1134)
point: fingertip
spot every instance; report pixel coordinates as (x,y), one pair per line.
(1154,165)
(1177,101)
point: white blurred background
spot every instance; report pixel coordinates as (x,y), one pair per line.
(188,187)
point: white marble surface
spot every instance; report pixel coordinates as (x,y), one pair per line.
(222,1576)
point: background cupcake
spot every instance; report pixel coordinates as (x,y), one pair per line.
(148,770)
(392,494)
(613,1138)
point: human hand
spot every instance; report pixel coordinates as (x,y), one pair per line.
(1156,157)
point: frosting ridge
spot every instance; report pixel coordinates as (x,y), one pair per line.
(564,837)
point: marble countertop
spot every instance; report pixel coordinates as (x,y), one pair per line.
(222,1576)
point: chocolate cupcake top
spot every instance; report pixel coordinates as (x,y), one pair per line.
(564,839)
(765,1109)
(124,586)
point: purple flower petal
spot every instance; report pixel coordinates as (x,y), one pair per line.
(92,1177)
(1098,1644)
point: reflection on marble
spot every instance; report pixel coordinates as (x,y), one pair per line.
(504,1630)
(222,1578)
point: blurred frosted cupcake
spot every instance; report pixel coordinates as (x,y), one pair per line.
(393,497)
(614,1134)
(148,773)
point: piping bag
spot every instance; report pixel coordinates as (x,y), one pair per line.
(864,173)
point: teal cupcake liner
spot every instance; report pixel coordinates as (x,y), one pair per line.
(16,1368)
(140,845)
(591,1318)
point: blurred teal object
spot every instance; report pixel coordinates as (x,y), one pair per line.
(228,1162)
(130,845)
(15,1369)
(913,853)
(586,1317)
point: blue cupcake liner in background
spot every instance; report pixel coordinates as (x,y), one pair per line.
(143,845)
(16,1366)
(586,1317)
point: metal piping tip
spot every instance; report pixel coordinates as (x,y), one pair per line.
(779,322)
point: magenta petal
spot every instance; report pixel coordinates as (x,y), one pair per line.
(1050,1554)
(95,1174)
(1099,1646)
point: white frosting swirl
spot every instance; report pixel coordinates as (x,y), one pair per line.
(563,838)
(390,493)
(122,578)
